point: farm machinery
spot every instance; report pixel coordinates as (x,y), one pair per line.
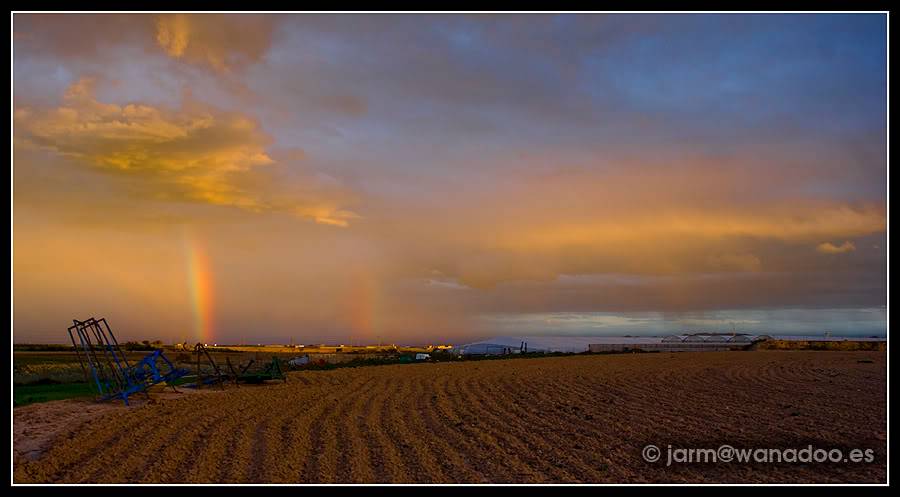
(270,371)
(107,367)
(208,372)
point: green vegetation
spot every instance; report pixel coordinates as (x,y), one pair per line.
(47,390)
(845,345)
(42,347)
(319,365)
(144,345)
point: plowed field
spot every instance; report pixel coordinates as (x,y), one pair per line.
(551,420)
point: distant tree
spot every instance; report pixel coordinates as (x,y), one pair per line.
(137,346)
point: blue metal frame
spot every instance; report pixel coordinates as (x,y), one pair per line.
(113,376)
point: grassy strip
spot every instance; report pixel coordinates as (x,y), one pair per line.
(45,391)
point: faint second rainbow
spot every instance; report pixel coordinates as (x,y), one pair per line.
(363,301)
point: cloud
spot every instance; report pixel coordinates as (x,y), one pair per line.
(449,284)
(723,322)
(830,248)
(221,42)
(529,228)
(544,163)
(196,153)
(485,269)
(82,35)
(172,34)
(327,215)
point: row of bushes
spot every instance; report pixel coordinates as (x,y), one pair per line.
(845,345)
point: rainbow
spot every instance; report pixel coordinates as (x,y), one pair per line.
(363,301)
(200,283)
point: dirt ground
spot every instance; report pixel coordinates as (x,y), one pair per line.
(37,427)
(551,420)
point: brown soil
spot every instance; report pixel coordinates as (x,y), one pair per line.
(551,420)
(37,427)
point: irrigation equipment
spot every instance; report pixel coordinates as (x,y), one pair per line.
(217,376)
(209,373)
(271,371)
(107,367)
(234,372)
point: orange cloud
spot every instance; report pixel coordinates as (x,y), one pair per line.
(221,42)
(194,153)
(830,248)
(675,222)
(790,221)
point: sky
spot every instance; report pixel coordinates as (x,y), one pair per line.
(444,178)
